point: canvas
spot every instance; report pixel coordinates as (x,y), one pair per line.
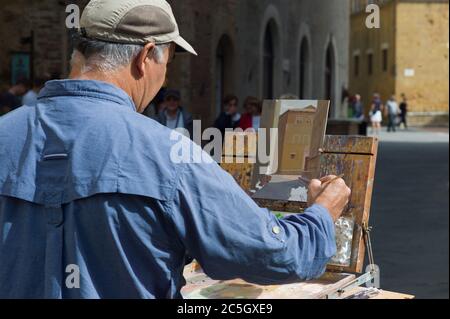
(300,131)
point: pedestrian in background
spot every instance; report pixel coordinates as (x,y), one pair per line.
(12,98)
(252,117)
(230,118)
(175,116)
(376,114)
(392,111)
(358,108)
(404,112)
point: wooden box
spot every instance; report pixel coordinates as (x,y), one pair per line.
(352,156)
(200,286)
(239,157)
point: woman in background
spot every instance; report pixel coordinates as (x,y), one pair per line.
(376,114)
(252,117)
(404,112)
(230,118)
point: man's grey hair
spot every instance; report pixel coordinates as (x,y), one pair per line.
(107,56)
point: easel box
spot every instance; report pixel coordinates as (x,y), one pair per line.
(281,189)
(355,158)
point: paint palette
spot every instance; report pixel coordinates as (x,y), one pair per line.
(200,286)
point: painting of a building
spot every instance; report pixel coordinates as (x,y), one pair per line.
(295,131)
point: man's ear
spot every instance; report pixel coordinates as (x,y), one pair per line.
(144,57)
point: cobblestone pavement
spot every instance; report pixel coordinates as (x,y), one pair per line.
(410,212)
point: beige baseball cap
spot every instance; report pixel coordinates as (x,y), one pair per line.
(132,22)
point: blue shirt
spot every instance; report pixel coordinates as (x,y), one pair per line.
(87,181)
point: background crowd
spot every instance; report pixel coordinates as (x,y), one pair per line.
(167,109)
(392,112)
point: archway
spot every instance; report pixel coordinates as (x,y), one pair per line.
(269,61)
(223,71)
(330,77)
(304,68)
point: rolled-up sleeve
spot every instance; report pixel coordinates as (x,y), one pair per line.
(231,237)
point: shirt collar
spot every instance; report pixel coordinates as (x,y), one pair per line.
(86,88)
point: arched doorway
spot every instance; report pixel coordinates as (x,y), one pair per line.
(223,71)
(304,69)
(330,77)
(269,58)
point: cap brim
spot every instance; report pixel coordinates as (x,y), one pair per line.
(184,45)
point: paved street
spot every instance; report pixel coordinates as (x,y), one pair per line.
(410,213)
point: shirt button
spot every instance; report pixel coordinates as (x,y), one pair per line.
(276,230)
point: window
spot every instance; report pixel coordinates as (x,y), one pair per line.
(370,63)
(296,139)
(330,78)
(224,71)
(356,65)
(385,60)
(269,63)
(304,61)
(220,71)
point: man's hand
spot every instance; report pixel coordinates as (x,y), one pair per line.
(334,196)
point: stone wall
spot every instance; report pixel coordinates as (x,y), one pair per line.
(415,32)
(41,20)
(423,46)
(363,42)
(239,24)
(244,23)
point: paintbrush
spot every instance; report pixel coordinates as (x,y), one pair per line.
(308,181)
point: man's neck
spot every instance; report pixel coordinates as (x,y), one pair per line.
(97,76)
(114,79)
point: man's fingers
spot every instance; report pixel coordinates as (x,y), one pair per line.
(315,185)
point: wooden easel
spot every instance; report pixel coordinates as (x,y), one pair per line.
(353,156)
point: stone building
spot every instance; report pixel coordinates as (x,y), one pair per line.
(34,29)
(264,48)
(408,54)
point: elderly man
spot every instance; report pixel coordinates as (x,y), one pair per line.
(175,116)
(91,205)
